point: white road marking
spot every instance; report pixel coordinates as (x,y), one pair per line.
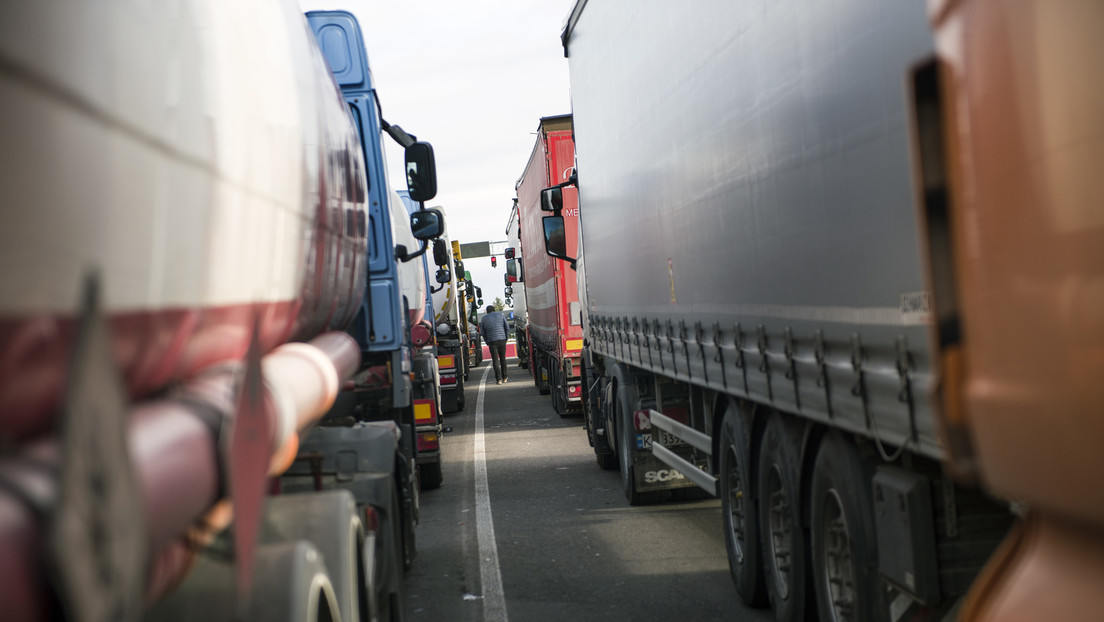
(494,599)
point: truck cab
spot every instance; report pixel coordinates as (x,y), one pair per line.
(375,419)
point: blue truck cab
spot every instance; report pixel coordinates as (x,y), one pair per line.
(366,444)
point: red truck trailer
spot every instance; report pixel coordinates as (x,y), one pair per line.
(554,330)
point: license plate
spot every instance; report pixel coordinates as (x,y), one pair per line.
(644,441)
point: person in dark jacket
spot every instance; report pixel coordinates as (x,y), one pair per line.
(494,328)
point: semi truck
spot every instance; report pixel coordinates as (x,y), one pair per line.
(757,322)
(206,309)
(451,333)
(1008,142)
(428,424)
(555,331)
(469,303)
(515,286)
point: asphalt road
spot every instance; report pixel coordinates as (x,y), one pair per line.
(526,527)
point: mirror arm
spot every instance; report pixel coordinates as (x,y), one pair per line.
(438,288)
(395,132)
(403,256)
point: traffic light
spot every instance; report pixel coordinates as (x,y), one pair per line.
(494,261)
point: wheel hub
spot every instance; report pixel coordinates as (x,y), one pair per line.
(781,532)
(736,505)
(837,570)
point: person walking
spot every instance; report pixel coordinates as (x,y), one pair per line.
(494,328)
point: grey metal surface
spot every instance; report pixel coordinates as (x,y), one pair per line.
(744,177)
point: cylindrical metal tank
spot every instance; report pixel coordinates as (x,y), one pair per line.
(207,171)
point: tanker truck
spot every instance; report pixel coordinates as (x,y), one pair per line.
(1008,146)
(191,247)
(756,313)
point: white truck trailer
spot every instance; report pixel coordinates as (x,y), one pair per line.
(756,317)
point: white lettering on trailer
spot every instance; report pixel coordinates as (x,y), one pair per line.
(662,475)
(490,574)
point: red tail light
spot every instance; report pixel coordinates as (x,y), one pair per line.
(428,441)
(574,391)
(450,380)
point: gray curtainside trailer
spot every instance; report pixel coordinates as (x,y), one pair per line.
(757,322)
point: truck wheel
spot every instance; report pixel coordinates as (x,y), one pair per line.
(559,400)
(430,476)
(603,453)
(844,549)
(780,532)
(543,376)
(739,510)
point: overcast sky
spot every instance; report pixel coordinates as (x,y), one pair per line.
(473,77)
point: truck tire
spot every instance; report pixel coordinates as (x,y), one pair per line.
(603,453)
(780,533)
(559,400)
(740,510)
(543,375)
(606,461)
(844,548)
(592,416)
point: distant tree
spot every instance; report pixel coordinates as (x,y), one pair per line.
(498,304)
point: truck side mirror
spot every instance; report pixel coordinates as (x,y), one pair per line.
(426,224)
(513,268)
(552,199)
(555,236)
(509,253)
(440,252)
(443,276)
(421,171)
(509,291)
